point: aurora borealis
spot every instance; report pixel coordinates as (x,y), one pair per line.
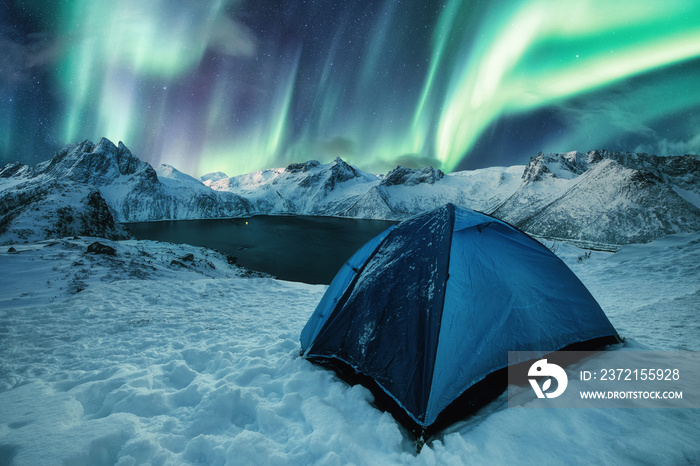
(245,85)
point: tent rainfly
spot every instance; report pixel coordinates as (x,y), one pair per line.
(425,313)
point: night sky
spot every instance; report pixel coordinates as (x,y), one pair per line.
(237,86)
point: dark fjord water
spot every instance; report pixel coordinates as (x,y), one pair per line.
(303,249)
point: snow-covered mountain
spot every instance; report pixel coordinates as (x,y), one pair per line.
(210,178)
(35,202)
(309,188)
(405,192)
(132,187)
(597,199)
(604,198)
(339,189)
(55,208)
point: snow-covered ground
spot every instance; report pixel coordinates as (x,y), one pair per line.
(152,356)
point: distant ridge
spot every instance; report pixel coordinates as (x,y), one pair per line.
(600,198)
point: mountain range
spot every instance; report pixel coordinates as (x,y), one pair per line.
(600,199)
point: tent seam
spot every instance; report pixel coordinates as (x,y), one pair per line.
(452,221)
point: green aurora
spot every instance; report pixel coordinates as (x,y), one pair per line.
(248,85)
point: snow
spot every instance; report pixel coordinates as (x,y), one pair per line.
(650,291)
(320,189)
(136,359)
(170,176)
(213,177)
(605,206)
(692,197)
(599,199)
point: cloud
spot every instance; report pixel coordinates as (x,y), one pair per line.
(337,147)
(231,37)
(18,61)
(417,161)
(606,114)
(668,147)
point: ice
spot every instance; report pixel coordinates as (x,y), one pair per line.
(153,363)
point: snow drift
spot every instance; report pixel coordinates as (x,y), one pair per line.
(166,354)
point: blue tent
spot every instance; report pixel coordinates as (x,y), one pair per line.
(425,313)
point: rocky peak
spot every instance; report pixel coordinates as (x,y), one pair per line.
(15,170)
(669,165)
(644,179)
(128,163)
(98,163)
(302,167)
(212,177)
(558,165)
(536,170)
(342,171)
(105,145)
(686,165)
(572,164)
(576,162)
(411,177)
(682,171)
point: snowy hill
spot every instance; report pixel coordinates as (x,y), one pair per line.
(55,208)
(170,176)
(605,199)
